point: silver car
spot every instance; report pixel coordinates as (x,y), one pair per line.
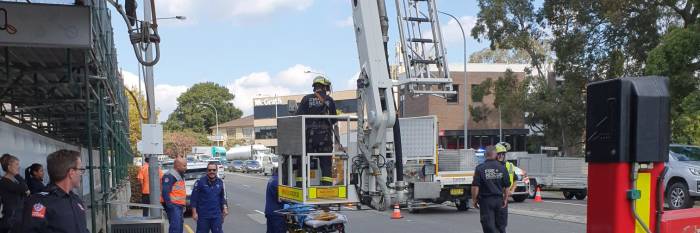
(683,177)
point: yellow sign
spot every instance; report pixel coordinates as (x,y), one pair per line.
(327,192)
(290,193)
(456,192)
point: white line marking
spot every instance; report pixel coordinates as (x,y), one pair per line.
(564,203)
(260,212)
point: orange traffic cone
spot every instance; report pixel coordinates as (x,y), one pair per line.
(397,212)
(538,195)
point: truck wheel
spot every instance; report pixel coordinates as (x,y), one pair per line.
(580,195)
(568,195)
(463,205)
(519,198)
(677,196)
(533,188)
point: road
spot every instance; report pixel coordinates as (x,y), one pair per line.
(246,195)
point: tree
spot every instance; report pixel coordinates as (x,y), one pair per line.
(590,40)
(191,114)
(179,143)
(510,56)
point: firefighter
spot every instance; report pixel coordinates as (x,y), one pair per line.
(490,192)
(174,195)
(208,201)
(319,131)
(275,221)
(57,208)
(501,149)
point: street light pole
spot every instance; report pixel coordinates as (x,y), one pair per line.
(216,117)
(466,84)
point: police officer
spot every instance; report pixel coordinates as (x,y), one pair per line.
(501,149)
(174,195)
(319,131)
(58,209)
(490,192)
(275,221)
(208,201)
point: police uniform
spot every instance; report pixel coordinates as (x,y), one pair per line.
(209,198)
(319,131)
(275,221)
(54,211)
(174,198)
(492,179)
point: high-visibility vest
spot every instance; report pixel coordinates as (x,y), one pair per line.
(178,194)
(143,177)
(511,173)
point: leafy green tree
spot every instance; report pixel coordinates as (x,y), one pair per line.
(510,56)
(191,113)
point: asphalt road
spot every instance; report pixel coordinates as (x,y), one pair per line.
(246,195)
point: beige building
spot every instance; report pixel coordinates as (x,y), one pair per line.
(450,111)
(267,109)
(237,131)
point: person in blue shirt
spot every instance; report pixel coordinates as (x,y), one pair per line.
(174,195)
(275,221)
(208,201)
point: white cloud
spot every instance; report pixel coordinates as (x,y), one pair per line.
(347,22)
(131,80)
(290,81)
(166,99)
(451,32)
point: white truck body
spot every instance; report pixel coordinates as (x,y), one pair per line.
(568,174)
(256,152)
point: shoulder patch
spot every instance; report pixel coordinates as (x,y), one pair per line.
(166,179)
(44,193)
(38,211)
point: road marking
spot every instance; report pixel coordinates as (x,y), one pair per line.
(259,212)
(565,203)
(259,218)
(189,230)
(254,177)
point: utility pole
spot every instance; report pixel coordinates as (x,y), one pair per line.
(153,174)
(466,83)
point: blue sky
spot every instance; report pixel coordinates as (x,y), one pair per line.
(263,47)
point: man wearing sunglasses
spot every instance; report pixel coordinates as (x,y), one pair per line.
(57,208)
(208,201)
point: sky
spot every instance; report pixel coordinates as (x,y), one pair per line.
(263,47)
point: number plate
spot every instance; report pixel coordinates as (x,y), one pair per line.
(456,192)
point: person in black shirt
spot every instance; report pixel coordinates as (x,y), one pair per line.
(319,131)
(490,193)
(13,190)
(57,208)
(35,178)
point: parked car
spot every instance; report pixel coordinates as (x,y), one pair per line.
(194,171)
(522,185)
(252,166)
(236,166)
(683,177)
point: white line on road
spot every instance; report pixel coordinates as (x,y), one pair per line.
(259,212)
(565,203)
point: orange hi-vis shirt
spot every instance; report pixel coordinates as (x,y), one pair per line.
(143,178)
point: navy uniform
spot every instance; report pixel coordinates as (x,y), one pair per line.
(319,131)
(492,179)
(54,211)
(209,198)
(275,221)
(174,199)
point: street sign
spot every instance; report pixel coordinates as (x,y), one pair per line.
(152,139)
(549,148)
(219,138)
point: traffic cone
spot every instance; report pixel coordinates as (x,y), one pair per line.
(538,195)
(397,212)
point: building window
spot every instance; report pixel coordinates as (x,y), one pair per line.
(454,98)
(248,132)
(267,132)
